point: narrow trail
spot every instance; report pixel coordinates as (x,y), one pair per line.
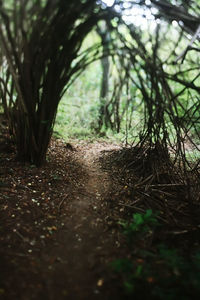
(57,240)
(85,246)
(58,225)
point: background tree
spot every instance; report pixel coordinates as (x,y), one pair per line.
(103,117)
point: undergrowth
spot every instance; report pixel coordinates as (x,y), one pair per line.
(155,270)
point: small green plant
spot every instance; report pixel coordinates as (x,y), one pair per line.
(140,223)
(131,273)
(122,265)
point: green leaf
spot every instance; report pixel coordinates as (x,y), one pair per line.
(138,271)
(129,287)
(138,218)
(122,265)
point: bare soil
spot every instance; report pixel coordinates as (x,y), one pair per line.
(59,224)
(57,237)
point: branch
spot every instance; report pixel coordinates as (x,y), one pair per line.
(183,54)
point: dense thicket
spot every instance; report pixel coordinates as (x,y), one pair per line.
(161,68)
(155,69)
(40,41)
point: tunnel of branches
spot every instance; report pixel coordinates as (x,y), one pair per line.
(41,56)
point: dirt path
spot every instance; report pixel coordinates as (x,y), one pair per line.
(85,245)
(56,241)
(59,232)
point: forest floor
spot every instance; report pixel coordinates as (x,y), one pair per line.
(56,231)
(59,224)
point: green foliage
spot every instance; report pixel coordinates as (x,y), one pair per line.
(141,223)
(164,273)
(170,256)
(122,265)
(168,276)
(78,108)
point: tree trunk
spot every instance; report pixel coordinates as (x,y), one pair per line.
(103,118)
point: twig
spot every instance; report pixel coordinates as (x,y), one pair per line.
(61,202)
(131,206)
(179,232)
(21,254)
(162,192)
(168,185)
(183,54)
(20,235)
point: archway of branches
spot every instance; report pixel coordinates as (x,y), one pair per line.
(162,73)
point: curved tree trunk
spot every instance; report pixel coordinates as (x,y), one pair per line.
(41,44)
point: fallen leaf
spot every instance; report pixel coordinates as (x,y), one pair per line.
(150,279)
(2,291)
(100,282)
(140,261)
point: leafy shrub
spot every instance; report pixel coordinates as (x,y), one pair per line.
(141,223)
(159,273)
